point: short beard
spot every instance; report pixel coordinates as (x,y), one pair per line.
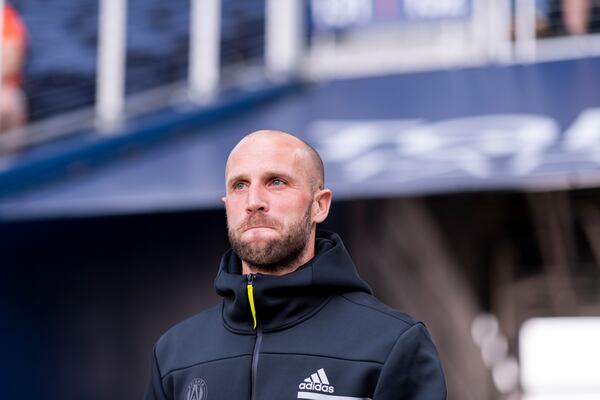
(276,254)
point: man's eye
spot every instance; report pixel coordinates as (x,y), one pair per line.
(239,186)
(277,182)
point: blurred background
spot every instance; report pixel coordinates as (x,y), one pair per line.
(461,139)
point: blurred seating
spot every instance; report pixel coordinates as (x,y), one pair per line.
(61,68)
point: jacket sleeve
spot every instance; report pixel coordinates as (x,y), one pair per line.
(412,370)
(154,390)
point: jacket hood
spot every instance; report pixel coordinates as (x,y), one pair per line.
(282,301)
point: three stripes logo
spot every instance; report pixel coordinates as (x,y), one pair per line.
(317,387)
(317,382)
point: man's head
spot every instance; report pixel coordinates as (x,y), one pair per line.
(275,197)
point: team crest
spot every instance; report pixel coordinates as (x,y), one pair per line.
(197,390)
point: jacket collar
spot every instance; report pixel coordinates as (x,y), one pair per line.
(282,301)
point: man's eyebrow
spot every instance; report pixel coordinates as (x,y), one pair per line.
(236,178)
(275,174)
(267,175)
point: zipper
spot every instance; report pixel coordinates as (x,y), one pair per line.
(250,289)
(257,328)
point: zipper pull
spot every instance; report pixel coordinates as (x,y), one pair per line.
(250,289)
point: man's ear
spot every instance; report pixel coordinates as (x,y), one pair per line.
(322,202)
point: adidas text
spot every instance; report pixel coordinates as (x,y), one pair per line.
(319,387)
(317,382)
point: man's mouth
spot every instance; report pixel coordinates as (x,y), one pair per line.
(258,227)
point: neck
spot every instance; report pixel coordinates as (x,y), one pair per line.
(277,270)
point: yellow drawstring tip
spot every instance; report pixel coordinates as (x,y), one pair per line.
(251,300)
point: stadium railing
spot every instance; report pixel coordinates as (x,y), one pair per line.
(82,75)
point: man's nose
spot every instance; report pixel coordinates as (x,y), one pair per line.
(257,200)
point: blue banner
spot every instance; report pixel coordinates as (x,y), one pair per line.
(352,14)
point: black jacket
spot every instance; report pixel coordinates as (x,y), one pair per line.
(320,334)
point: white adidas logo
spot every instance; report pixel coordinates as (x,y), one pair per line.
(321,389)
(317,382)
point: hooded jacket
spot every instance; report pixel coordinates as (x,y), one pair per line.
(316,333)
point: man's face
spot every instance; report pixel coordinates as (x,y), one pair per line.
(269,201)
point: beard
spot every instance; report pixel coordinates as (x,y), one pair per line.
(274,254)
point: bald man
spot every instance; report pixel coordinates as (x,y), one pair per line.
(296,321)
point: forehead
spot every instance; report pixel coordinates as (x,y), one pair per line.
(266,154)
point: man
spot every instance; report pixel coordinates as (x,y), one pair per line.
(296,321)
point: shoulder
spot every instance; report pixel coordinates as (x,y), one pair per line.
(370,331)
(411,361)
(186,342)
(369,308)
